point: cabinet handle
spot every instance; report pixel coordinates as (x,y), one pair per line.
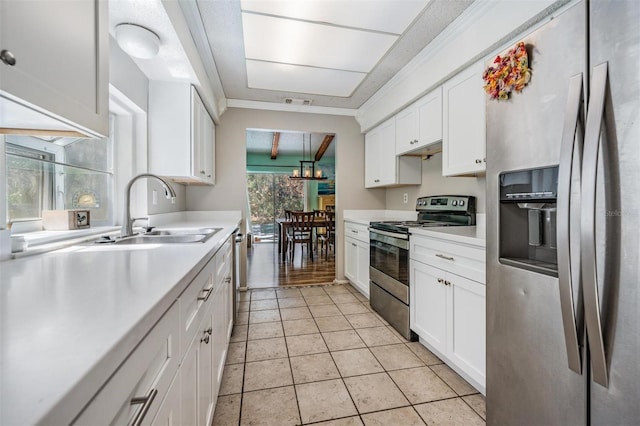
(208,331)
(202,172)
(478,161)
(447,283)
(440,280)
(442,256)
(227,280)
(354,231)
(484,160)
(377,180)
(7,57)
(205,294)
(208,176)
(146,401)
(353,244)
(205,339)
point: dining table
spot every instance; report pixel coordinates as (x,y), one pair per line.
(285,224)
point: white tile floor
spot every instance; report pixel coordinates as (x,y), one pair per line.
(320,355)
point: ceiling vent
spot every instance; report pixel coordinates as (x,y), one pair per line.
(293,101)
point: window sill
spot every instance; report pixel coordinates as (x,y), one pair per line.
(44,241)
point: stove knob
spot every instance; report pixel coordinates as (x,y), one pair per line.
(461,203)
(454,203)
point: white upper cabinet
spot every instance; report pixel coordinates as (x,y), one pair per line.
(181,134)
(420,124)
(463,136)
(54,73)
(382,166)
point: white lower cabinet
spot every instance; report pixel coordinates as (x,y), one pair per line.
(428,313)
(134,392)
(174,374)
(356,256)
(447,310)
(169,410)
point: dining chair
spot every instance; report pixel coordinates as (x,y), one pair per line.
(319,216)
(301,232)
(329,238)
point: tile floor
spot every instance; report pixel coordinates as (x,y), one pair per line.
(319,355)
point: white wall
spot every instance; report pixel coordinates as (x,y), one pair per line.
(125,75)
(433,183)
(229,193)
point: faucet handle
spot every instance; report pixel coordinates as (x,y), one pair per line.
(148,229)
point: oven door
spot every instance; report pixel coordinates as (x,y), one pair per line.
(389,254)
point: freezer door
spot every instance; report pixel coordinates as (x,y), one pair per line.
(615,40)
(528,378)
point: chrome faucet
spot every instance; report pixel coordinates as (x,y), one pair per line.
(127,224)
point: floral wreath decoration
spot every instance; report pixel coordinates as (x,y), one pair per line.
(508,73)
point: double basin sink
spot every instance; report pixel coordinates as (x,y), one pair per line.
(165,236)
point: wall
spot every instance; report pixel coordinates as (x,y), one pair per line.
(433,183)
(125,76)
(229,193)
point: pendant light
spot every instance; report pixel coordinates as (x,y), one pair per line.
(307,169)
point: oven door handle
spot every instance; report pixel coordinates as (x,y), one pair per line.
(389,234)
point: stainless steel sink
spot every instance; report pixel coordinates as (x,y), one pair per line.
(166,236)
(163,239)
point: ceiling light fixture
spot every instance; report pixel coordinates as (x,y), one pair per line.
(307,169)
(136,41)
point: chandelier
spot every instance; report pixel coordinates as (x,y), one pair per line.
(307,170)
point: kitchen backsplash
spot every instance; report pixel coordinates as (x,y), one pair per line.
(433,183)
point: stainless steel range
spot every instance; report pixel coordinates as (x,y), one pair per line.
(389,254)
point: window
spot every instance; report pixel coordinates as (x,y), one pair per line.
(59,174)
(29,189)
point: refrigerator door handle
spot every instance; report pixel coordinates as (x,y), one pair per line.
(587,238)
(568,279)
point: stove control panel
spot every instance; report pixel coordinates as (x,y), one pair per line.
(458,203)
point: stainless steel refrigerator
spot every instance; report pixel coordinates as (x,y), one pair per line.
(563,226)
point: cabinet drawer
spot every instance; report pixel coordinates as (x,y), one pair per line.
(462,259)
(145,375)
(357,231)
(193,303)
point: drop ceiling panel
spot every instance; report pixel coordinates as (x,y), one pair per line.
(301,79)
(289,41)
(390,16)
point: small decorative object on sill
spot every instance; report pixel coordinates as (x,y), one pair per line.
(62,220)
(508,73)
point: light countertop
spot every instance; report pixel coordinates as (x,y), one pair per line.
(473,235)
(70,317)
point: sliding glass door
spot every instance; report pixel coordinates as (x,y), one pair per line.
(270,194)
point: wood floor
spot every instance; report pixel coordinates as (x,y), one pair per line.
(265,269)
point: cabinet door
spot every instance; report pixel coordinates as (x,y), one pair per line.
(61,51)
(209,149)
(205,372)
(189,385)
(169,411)
(406,130)
(387,160)
(429,112)
(463,139)
(428,307)
(371,167)
(351,259)
(466,343)
(362,267)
